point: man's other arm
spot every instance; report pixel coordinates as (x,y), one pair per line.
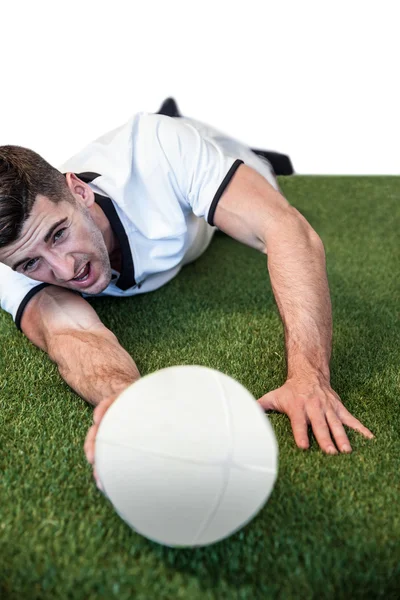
(253,212)
(88,355)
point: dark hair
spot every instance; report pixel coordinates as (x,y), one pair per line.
(23,175)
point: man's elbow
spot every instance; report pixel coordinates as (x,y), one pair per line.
(289,226)
(312,235)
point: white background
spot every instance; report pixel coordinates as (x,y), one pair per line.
(316,80)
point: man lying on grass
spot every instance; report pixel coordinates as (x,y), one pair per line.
(122,217)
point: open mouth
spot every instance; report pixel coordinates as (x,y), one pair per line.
(83,274)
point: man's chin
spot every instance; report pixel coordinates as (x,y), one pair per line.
(92,292)
(94,289)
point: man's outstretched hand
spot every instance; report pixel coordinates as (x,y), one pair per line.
(313,402)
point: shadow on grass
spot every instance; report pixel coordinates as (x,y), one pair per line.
(337,552)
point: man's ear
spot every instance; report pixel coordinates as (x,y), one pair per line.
(80,190)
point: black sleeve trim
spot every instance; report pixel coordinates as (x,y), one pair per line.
(221,189)
(25,301)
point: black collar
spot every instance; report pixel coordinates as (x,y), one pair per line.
(127,278)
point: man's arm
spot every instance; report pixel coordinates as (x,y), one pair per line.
(253,212)
(88,355)
(297,269)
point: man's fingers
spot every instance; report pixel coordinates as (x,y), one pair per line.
(267,402)
(99,411)
(89,443)
(326,414)
(102,408)
(354,423)
(338,432)
(299,424)
(321,429)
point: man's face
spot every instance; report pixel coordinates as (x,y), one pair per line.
(61,255)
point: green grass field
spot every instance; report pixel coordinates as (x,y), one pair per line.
(331,528)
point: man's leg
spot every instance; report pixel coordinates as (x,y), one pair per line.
(280,163)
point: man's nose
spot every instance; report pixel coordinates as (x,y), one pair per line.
(63,267)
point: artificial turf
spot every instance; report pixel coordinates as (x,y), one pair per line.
(331,528)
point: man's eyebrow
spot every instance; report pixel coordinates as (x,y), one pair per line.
(46,239)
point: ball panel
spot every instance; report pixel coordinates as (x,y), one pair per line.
(245,495)
(165,499)
(172,411)
(253,439)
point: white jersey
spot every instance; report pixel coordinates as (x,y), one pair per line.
(158,180)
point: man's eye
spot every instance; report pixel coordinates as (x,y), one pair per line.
(61,231)
(28,266)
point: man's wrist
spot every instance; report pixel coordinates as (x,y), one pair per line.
(303,368)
